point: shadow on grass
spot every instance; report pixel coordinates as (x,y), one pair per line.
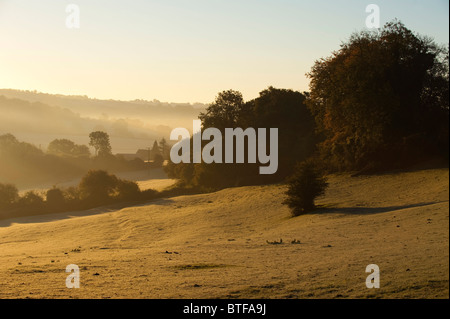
(49,217)
(368,210)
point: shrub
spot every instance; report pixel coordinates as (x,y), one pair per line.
(149,194)
(304,186)
(127,190)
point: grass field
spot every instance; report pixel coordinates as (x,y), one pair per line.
(227,244)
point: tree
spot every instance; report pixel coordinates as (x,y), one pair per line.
(61,147)
(164,148)
(100,141)
(23,162)
(127,190)
(11,147)
(7,141)
(8,195)
(380,98)
(158,160)
(224,111)
(97,186)
(67,148)
(287,111)
(31,201)
(155,150)
(81,151)
(55,199)
(274,108)
(304,186)
(72,196)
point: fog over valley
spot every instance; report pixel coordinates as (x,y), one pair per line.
(39,118)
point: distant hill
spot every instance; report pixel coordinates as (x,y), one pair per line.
(113,108)
(39,118)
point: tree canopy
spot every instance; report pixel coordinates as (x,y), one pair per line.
(100,141)
(274,108)
(381,98)
(65,147)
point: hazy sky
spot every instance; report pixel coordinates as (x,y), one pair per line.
(185,50)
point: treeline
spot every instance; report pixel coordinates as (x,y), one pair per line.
(24,163)
(380,102)
(112,108)
(279,108)
(97,188)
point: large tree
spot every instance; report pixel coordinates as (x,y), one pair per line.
(286,110)
(225,111)
(274,108)
(382,96)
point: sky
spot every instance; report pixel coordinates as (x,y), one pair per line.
(186,50)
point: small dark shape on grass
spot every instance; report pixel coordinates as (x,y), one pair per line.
(275,242)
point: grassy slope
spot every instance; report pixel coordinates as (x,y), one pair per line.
(215,245)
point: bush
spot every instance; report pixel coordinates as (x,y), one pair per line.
(127,190)
(149,194)
(304,186)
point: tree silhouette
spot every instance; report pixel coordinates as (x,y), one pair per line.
(8,195)
(81,151)
(100,141)
(304,186)
(55,199)
(155,151)
(380,98)
(164,148)
(61,147)
(274,108)
(31,202)
(67,148)
(97,186)
(224,111)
